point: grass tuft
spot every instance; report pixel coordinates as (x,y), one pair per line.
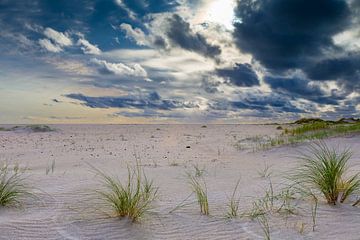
(131,198)
(12,186)
(264,224)
(266,172)
(199,188)
(324,170)
(233,205)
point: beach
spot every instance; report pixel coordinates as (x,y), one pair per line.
(59,167)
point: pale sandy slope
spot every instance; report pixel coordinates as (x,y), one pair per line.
(66,207)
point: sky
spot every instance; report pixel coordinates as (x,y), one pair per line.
(178,61)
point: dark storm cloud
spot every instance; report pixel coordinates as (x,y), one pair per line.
(241,75)
(284,34)
(149,113)
(151,101)
(181,35)
(302,88)
(274,103)
(298,35)
(143,7)
(346,70)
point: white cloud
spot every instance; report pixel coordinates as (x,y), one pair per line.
(121,69)
(136,34)
(130,13)
(349,39)
(87,47)
(48,45)
(59,38)
(70,66)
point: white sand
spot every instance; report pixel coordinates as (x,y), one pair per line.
(66,207)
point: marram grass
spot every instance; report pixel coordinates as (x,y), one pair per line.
(131,198)
(325,170)
(234,202)
(198,186)
(12,186)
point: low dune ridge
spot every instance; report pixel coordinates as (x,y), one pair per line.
(66,206)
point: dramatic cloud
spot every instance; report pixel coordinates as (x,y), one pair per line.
(261,103)
(346,70)
(241,75)
(181,35)
(232,59)
(301,88)
(284,34)
(150,101)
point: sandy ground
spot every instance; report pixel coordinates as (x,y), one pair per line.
(66,206)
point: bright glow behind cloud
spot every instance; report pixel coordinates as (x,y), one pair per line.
(221,12)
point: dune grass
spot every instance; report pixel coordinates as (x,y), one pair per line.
(308,127)
(132,198)
(198,186)
(325,170)
(320,130)
(12,186)
(234,202)
(304,132)
(264,224)
(266,172)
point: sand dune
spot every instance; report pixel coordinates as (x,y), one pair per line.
(66,206)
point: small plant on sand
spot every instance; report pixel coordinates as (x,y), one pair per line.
(12,186)
(199,171)
(50,167)
(233,205)
(280,204)
(199,188)
(39,128)
(265,172)
(264,224)
(324,170)
(314,208)
(131,198)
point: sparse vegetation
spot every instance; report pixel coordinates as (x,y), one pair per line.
(314,208)
(304,130)
(50,167)
(233,205)
(266,172)
(131,198)
(199,188)
(174,164)
(199,172)
(325,170)
(39,128)
(32,128)
(12,186)
(264,224)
